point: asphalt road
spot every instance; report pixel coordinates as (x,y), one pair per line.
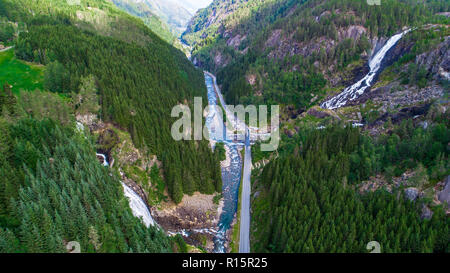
(244,235)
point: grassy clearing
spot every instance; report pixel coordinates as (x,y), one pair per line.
(19,74)
(194,249)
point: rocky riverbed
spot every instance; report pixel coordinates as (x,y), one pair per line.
(196,218)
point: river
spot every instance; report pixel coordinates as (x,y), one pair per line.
(231,175)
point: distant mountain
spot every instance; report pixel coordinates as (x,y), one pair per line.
(193,5)
(175,13)
(140,9)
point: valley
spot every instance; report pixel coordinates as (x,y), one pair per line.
(87,99)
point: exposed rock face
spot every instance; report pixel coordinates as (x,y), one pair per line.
(390,97)
(375,183)
(321,113)
(236,41)
(107,140)
(352,32)
(412,194)
(293,113)
(444,195)
(377,43)
(136,188)
(101,159)
(446,14)
(288,47)
(220,60)
(401,48)
(88,120)
(427,213)
(194,213)
(289,133)
(285,45)
(197,211)
(405,113)
(437,61)
(380,182)
(251,79)
(274,39)
(215,14)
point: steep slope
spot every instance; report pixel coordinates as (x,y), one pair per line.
(293,52)
(99,63)
(308,199)
(206,22)
(63,195)
(139,80)
(143,11)
(170,11)
(341,178)
(174,13)
(98,16)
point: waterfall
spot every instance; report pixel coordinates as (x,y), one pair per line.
(357,89)
(105,161)
(79,127)
(138,206)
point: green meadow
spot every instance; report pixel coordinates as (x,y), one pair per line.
(19,74)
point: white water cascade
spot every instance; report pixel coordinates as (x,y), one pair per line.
(105,161)
(137,205)
(357,89)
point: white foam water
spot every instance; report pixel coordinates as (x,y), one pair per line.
(352,92)
(137,205)
(105,161)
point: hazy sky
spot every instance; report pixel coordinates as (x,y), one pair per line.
(193,5)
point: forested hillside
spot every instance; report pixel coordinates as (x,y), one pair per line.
(138,86)
(152,20)
(90,58)
(174,13)
(53,190)
(308,198)
(296,52)
(80,77)
(99,16)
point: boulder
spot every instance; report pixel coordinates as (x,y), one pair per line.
(289,133)
(437,61)
(411,194)
(444,195)
(405,113)
(427,213)
(322,113)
